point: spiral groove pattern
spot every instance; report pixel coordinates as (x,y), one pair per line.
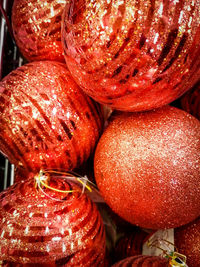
(37,28)
(38,228)
(144,261)
(46,121)
(133,55)
(130,244)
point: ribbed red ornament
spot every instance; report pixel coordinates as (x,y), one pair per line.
(133,55)
(187,242)
(37,28)
(191,101)
(130,244)
(46,121)
(144,261)
(50,228)
(147,167)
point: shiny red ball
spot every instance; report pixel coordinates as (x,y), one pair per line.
(37,28)
(50,228)
(133,55)
(144,261)
(46,121)
(147,167)
(191,101)
(187,242)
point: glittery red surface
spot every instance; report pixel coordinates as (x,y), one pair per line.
(133,55)
(36,229)
(187,242)
(147,167)
(37,28)
(144,261)
(46,121)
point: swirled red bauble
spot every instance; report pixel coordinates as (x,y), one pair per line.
(133,55)
(37,28)
(50,228)
(46,121)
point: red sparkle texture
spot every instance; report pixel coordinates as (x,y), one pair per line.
(147,167)
(46,121)
(46,227)
(133,55)
(37,28)
(187,242)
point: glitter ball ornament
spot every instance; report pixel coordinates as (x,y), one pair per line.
(42,226)
(191,101)
(147,167)
(144,261)
(37,28)
(187,242)
(46,121)
(133,55)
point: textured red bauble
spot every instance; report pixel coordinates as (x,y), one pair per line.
(187,242)
(144,261)
(147,167)
(191,101)
(133,55)
(45,119)
(50,228)
(130,244)
(37,28)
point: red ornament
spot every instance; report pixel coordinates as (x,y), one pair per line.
(191,101)
(50,228)
(187,242)
(133,55)
(46,121)
(147,167)
(37,28)
(144,261)
(130,244)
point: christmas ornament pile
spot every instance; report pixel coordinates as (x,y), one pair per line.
(133,56)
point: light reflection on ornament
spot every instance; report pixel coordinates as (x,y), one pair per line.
(78,240)
(37,28)
(37,131)
(133,55)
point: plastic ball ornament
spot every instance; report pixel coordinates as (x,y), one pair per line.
(147,167)
(144,261)
(190,102)
(37,28)
(46,121)
(187,242)
(133,55)
(56,225)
